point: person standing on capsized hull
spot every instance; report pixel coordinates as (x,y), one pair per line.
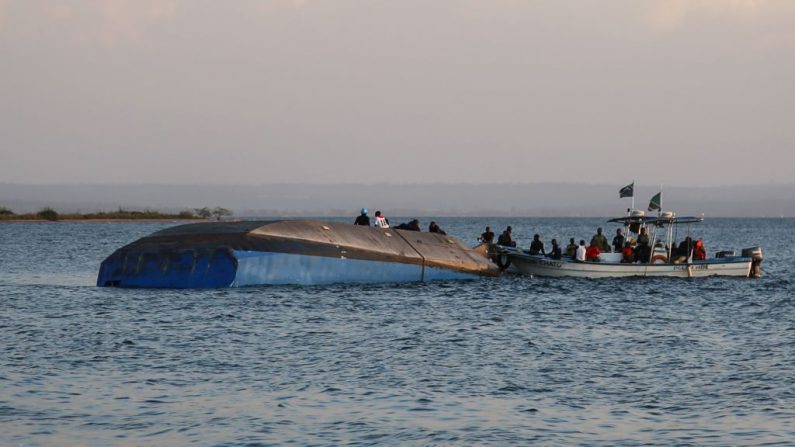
(380,220)
(434,228)
(363,218)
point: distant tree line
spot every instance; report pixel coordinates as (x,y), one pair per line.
(50,214)
(216,213)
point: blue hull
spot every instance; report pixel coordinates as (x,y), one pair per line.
(182,271)
(248,268)
(301,252)
(280,268)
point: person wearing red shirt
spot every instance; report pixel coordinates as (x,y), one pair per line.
(627,254)
(699,252)
(592,253)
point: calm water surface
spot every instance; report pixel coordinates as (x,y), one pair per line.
(505,361)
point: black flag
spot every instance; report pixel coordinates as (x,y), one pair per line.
(627,191)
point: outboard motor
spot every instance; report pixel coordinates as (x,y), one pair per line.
(755,253)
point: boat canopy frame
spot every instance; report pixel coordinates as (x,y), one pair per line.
(668,222)
(657,221)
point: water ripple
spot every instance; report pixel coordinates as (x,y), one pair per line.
(506,361)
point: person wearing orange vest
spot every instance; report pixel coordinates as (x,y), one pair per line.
(627,254)
(699,252)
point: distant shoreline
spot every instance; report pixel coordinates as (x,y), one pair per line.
(48,214)
(437,200)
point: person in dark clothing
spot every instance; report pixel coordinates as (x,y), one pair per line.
(505,238)
(487,236)
(556,252)
(537,247)
(413,225)
(643,237)
(686,248)
(618,241)
(643,251)
(363,218)
(434,228)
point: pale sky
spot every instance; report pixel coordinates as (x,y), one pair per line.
(698,92)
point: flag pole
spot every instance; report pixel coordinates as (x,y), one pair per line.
(633,194)
(659,211)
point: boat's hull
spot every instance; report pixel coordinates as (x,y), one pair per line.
(541,266)
(288,252)
(256,268)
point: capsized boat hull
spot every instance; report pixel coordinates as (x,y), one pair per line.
(235,254)
(542,266)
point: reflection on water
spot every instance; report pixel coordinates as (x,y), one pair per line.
(505,361)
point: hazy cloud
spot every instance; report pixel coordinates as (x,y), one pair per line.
(669,15)
(107,23)
(200,91)
(4,5)
(126,20)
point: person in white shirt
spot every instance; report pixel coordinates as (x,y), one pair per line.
(580,254)
(380,220)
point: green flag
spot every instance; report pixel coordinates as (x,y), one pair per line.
(654,203)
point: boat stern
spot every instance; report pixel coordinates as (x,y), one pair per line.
(755,253)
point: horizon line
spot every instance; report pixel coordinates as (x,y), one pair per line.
(388,183)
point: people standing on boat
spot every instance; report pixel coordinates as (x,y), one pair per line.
(618,241)
(627,253)
(505,238)
(571,249)
(643,238)
(380,220)
(487,236)
(537,247)
(579,255)
(434,228)
(699,252)
(592,253)
(600,241)
(363,218)
(556,252)
(643,249)
(413,225)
